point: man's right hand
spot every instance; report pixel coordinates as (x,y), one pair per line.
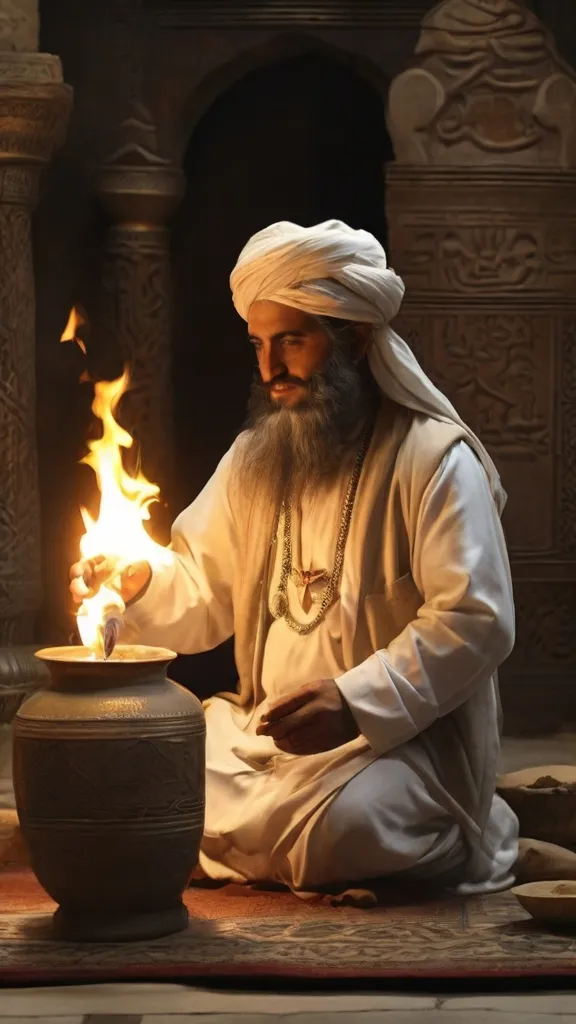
(87,576)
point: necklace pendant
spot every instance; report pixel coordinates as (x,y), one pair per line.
(303,578)
(279,605)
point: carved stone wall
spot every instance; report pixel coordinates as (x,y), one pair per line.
(19,26)
(488,87)
(34,109)
(482,226)
(32,122)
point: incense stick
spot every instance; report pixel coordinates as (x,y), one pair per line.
(110,634)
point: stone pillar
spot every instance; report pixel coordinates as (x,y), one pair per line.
(482,217)
(34,109)
(140,190)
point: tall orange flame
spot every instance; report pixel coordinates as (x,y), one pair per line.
(118,531)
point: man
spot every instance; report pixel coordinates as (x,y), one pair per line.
(351,541)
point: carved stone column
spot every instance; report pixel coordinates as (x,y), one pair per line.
(34,109)
(140,190)
(482,216)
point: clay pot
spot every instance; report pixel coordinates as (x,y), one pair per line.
(544,800)
(109,772)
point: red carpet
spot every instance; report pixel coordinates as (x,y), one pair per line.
(238,932)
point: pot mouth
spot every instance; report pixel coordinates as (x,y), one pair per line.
(126,654)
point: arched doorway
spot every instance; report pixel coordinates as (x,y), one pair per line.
(303,139)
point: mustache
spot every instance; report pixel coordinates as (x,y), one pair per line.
(283,378)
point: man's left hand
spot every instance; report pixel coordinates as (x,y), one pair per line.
(310,720)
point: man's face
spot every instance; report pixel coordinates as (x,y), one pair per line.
(290,347)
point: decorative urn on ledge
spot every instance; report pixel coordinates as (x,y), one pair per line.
(109,774)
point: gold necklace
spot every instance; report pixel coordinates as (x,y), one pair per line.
(280,605)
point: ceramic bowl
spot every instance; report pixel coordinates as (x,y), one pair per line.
(554,902)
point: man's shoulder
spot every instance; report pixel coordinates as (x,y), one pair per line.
(426,443)
(427,433)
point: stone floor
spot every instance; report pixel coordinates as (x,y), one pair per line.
(176,1004)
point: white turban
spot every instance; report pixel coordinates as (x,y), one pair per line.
(333,270)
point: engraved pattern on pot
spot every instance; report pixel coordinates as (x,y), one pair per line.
(114,799)
(90,797)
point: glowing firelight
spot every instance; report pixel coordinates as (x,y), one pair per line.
(75,320)
(118,532)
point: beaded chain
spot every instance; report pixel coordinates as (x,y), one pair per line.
(280,605)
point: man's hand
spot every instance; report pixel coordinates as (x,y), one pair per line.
(310,720)
(88,576)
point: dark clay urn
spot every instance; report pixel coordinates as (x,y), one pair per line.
(109,770)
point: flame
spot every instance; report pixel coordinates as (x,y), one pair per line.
(75,320)
(118,532)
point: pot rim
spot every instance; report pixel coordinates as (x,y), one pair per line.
(78,655)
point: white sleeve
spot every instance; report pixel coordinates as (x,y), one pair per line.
(188,605)
(465,627)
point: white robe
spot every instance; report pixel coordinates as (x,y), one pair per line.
(391,813)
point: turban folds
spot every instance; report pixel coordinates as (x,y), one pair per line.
(334,270)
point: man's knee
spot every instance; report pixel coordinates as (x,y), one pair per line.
(387,795)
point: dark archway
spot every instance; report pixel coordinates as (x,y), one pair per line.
(303,139)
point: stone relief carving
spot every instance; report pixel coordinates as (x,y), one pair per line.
(488,86)
(19,25)
(546,638)
(483,229)
(32,123)
(490,366)
(19,508)
(137,143)
(474,259)
(497,369)
(489,258)
(29,67)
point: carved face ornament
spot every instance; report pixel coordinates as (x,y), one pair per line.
(456,24)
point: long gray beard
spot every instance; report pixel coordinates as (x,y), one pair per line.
(288,451)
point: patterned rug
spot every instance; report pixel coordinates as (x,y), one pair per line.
(241,932)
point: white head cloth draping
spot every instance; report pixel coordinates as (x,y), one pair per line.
(333,270)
